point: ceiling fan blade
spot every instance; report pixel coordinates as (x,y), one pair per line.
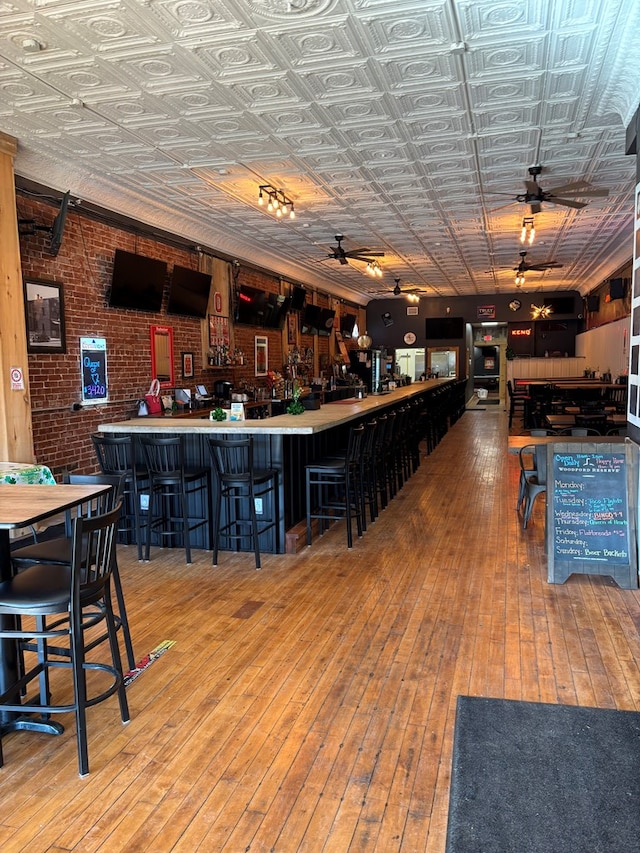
(343,260)
(535,207)
(542,267)
(363,254)
(533,188)
(578,188)
(567,202)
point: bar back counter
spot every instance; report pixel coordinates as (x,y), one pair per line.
(289,442)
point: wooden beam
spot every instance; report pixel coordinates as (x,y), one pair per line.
(16,435)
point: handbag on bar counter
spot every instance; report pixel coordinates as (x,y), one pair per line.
(152,398)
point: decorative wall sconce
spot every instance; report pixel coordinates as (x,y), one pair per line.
(540,312)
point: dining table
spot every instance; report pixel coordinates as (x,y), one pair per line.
(23,505)
(569,420)
(516,442)
(25,473)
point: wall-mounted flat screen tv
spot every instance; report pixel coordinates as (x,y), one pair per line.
(561,304)
(137,282)
(298,297)
(188,292)
(346,325)
(250,306)
(276,309)
(443,328)
(326,320)
(310,320)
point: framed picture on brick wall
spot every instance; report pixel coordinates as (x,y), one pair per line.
(44,315)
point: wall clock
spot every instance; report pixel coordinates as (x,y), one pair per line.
(515,304)
(410,338)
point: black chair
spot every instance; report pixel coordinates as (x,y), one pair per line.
(333,489)
(116,455)
(534,480)
(597,423)
(240,486)
(59,550)
(174,489)
(65,591)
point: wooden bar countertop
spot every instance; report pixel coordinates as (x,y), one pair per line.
(311,421)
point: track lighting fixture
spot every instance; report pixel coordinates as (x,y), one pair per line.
(277,201)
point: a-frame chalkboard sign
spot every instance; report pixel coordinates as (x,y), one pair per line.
(591,511)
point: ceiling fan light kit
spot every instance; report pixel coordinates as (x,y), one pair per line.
(528,233)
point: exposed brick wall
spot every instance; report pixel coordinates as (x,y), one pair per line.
(84,267)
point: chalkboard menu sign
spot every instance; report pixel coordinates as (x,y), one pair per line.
(590,519)
(93,368)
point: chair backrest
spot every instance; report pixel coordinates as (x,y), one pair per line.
(541,464)
(354,445)
(99,505)
(92,553)
(232,458)
(369,443)
(594,422)
(114,453)
(527,453)
(164,456)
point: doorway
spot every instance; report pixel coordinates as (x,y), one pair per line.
(488,362)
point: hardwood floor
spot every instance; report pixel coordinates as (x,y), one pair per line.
(310,706)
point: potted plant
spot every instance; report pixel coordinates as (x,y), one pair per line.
(295,407)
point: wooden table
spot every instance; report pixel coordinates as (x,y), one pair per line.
(516,442)
(569,420)
(22,506)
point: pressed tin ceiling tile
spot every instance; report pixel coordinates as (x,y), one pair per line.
(403,124)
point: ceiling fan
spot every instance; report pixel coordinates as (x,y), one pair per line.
(402,291)
(338,253)
(535,196)
(523,266)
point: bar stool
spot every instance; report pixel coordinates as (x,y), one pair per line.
(333,488)
(241,486)
(116,455)
(59,551)
(518,401)
(64,592)
(368,473)
(173,489)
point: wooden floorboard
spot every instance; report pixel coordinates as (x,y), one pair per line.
(310,706)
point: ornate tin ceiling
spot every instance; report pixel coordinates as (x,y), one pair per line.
(405,125)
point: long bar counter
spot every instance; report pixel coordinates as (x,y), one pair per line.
(289,442)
